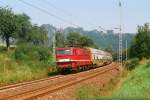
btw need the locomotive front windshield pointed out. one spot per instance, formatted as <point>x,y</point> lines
<point>64,52</point>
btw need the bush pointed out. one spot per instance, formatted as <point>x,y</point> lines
<point>32,52</point>
<point>3,49</point>
<point>43,53</point>
<point>131,64</point>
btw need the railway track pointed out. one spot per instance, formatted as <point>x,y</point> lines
<point>34,89</point>
<point>29,82</point>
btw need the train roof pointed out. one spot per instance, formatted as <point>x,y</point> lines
<point>92,49</point>
<point>99,51</point>
<point>69,48</point>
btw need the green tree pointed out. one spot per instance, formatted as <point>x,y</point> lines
<point>8,25</point>
<point>24,27</point>
<point>73,38</point>
<point>60,39</point>
<point>140,46</point>
<point>86,41</point>
<point>38,36</point>
<point>76,39</point>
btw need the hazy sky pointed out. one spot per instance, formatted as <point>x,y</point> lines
<point>88,14</point>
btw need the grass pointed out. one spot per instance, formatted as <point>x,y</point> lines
<point>87,92</point>
<point>94,92</point>
<point>136,86</point>
<point>12,71</point>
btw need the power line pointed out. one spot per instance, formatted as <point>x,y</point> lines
<point>55,7</point>
<point>65,12</point>
<point>48,13</point>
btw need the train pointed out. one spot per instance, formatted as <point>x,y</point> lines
<point>77,59</point>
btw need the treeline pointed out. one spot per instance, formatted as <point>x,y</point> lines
<point>73,39</point>
<point>31,41</point>
<point>140,46</point>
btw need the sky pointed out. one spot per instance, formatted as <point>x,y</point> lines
<point>89,14</point>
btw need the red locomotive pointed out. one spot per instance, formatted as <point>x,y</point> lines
<point>81,58</point>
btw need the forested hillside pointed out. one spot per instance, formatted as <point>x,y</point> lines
<point>98,37</point>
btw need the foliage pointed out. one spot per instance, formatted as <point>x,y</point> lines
<point>132,63</point>
<point>100,38</point>
<point>2,49</point>
<point>76,39</point>
<point>135,87</point>
<point>38,36</point>
<point>18,26</point>
<point>30,58</point>
<point>115,56</point>
<point>73,38</point>
<point>8,25</point>
<point>140,46</point>
<point>137,83</point>
<point>31,52</point>
<point>87,92</point>
<point>12,71</point>
<point>86,41</point>
<point>60,39</point>
<point>24,27</point>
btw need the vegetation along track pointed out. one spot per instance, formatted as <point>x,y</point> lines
<point>42,87</point>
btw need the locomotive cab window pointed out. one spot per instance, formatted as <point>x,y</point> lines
<point>64,52</point>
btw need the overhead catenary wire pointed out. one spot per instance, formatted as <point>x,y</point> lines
<point>64,11</point>
<point>48,13</point>
<point>56,8</point>
<point>52,15</point>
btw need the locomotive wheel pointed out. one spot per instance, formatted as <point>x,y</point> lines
<point>87,67</point>
<point>80,68</point>
<point>75,70</point>
<point>91,66</point>
<point>94,66</point>
<point>61,71</point>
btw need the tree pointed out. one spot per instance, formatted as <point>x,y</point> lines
<point>28,33</point>
<point>73,38</point>
<point>24,27</point>
<point>76,39</point>
<point>60,39</point>
<point>86,41</point>
<point>34,46</point>
<point>8,25</point>
<point>140,46</point>
<point>38,36</point>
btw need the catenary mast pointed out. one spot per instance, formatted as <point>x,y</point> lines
<point>120,34</point>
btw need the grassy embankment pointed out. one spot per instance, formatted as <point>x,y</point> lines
<point>13,71</point>
<point>134,85</point>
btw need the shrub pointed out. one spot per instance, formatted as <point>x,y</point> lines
<point>43,53</point>
<point>32,52</point>
<point>2,48</point>
<point>131,64</point>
